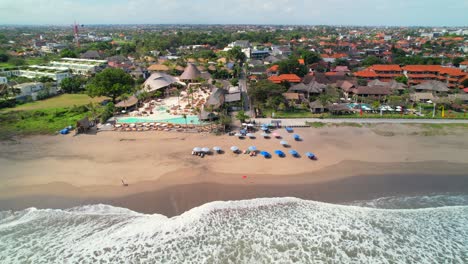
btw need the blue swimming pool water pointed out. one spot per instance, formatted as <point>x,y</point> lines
<point>176,120</point>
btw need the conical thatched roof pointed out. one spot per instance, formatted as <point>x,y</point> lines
<point>435,86</point>
<point>190,73</point>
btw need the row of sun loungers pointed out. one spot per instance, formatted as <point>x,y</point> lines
<point>162,127</point>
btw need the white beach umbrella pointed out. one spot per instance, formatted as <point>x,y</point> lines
<point>234,148</point>
<point>197,149</point>
<point>238,135</point>
<point>283,142</point>
<point>205,149</point>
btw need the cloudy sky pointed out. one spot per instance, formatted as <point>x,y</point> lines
<point>310,12</point>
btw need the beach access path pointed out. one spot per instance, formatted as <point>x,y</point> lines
<point>302,121</point>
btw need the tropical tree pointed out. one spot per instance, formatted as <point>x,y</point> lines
<point>66,53</point>
<point>71,84</point>
<point>241,116</point>
<point>124,98</point>
<point>402,79</point>
<point>371,60</point>
<point>185,117</point>
<point>111,82</point>
<point>224,120</point>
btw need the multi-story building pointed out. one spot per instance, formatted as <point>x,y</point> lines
<point>35,71</point>
<point>416,74</point>
<point>80,66</point>
<point>420,73</point>
<point>381,72</point>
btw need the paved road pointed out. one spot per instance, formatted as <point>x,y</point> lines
<point>243,87</point>
<point>301,121</point>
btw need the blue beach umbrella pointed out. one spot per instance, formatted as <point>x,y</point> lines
<point>289,129</point>
<point>310,155</point>
<point>296,137</point>
<point>293,152</point>
<point>264,128</point>
<point>265,154</point>
<point>252,148</point>
<point>279,153</point>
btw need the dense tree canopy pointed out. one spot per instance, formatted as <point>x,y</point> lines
<point>292,66</point>
<point>66,53</point>
<point>111,82</point>
<point>371,60</point>
<point>265,93</point>
<point>72,85</point>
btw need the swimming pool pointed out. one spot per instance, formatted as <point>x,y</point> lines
<point>174,120</point>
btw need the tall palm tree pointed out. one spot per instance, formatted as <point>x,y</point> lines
<point>124,97</point>
<point>185,117</point>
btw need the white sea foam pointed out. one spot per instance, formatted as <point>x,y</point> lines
<point>276,230</point>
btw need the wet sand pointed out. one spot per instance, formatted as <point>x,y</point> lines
<point>353,164</point>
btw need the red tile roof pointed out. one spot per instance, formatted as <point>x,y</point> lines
<point>275,79</point>
<point>273,68</point>
<point>464,62</point>
<point>422,68</point>
<point>383,67</point>
<point>465,90</point>
<point>422,76</point>
<point>365,74</point>
<point>292,78</point>
<point>452,71</point>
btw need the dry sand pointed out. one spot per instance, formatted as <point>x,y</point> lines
<point>353,163</point>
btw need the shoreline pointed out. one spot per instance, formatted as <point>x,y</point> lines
<point>172,199</point>
<point>163,177</point>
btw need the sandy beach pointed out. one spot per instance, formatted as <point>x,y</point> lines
<point>163,176</point>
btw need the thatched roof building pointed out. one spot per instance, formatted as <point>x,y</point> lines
<point>190,73</point>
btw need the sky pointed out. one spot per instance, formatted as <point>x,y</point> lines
<point>297,12</point>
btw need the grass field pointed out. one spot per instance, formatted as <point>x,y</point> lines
<point>45,116</point>
<point>61,101</point>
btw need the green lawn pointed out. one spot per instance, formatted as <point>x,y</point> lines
<point>45,116</point>
<point>44,121</point>
<point>61,101</point>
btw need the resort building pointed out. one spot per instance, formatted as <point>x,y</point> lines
<point>157,81</point>
<point>31,89</point>
<point>380,72</point>
<point>80,66</point>
<point>35,71</point>
<point>190,74</point>
<point>416,74</point>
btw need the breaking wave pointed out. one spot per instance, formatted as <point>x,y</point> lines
<point>273,230</point>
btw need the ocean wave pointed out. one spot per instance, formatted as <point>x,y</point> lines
<point>415,202</point>
<point>270,230</point>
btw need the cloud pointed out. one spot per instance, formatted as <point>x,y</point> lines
<point>357,12</point>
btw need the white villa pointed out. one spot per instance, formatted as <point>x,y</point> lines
<point>80,66</point>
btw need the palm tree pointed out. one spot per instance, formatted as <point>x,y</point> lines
<point>124,98</point>
<point>224,120</point>
<point>210,115</point>
<point>93,109</point>
<point>190,91</point>
<point>185,117</point>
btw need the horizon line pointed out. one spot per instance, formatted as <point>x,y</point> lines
<point>234,24</point>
